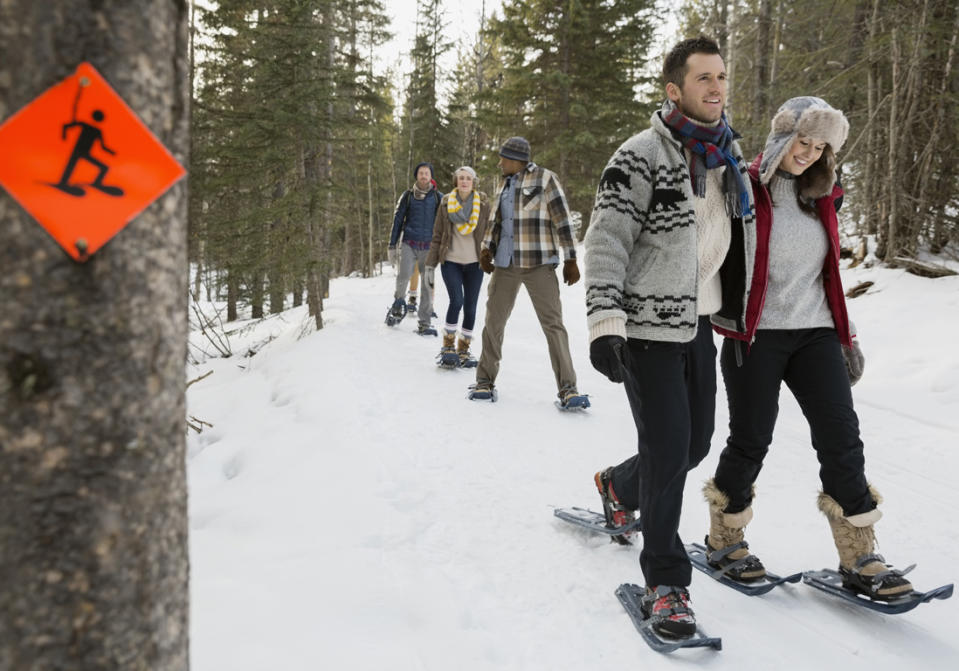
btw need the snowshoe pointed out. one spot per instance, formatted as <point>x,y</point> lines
<point>426,330</point>
<point>831,582</point>
<point>882,584</point>
<point>641,608</point>
<point>482,391</point>
<point>396,312</point>
<point>596,522</point>
<point>448,360</point>
<point>699,558</point>
<point>573,400</point>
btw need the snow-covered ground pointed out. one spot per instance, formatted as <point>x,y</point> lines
<point>350,509</point>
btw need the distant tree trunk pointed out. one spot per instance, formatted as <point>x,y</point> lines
<point>873,97</point>
<point>730,57</point>
<point>232,295</point>
<point>891,246</point>
<point>277,291</point>
<point>256,295</point>
<point>564,116</point>
<point>93,507</point>
<point>368,270</point>
<point>297,291</point>
<point>763,55</point>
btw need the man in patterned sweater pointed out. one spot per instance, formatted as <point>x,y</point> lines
<point>670,229</point>
<point>529,224</point>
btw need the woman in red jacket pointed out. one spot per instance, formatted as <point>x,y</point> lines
<point>797,331</point>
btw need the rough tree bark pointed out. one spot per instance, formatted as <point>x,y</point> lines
<point>93,508</point>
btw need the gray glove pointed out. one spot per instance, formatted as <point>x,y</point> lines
<point>855,361</point>
<point>391,255</point>
<point>429,276</point>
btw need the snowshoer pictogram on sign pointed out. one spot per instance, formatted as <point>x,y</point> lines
<point>82,163</point>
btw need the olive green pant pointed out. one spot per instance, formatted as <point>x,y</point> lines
<point>543,288</point>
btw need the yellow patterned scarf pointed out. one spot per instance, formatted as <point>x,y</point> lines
<point>463,225</point>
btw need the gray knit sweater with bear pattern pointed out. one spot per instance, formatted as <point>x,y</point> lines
<point>641,268</point>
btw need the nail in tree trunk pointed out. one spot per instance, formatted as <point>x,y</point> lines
<point>93,508</point>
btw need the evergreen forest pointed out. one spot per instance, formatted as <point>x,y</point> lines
<point>302,140</point>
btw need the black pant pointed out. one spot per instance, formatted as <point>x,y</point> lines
<point>672,392</point>
<point>810,362</point>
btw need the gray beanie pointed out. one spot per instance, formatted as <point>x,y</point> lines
<point>516,148</point>
<point>811,117</point>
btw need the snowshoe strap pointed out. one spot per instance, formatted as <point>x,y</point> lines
<point>716,555</point>
<point>722,553</point>
<point>877,578</point>
<point>674,597</point>
<point>732,566</point>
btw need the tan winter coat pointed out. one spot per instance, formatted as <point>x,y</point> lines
<point>443,230</point>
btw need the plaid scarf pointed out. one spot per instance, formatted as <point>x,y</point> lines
<point>710,147</point>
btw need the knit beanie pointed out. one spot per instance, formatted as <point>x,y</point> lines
<point>420,165</point>
<point>516,148</point>
<point>811,117</point>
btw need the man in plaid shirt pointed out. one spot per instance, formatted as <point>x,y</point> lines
<point>530,225</point>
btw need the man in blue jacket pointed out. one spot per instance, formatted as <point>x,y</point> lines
<point>413,220</point>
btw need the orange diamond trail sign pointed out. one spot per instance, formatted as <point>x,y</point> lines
<point>81,162</point>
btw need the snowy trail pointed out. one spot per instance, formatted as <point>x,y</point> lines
<point>351,509</point>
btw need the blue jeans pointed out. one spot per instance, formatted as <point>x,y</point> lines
<point>463,282</point>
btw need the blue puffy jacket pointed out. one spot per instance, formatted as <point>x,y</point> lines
<point>414,218</point>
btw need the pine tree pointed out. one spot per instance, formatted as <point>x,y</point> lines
<point>891,68</point>
<point>425,127</point>
<point>571,75</point>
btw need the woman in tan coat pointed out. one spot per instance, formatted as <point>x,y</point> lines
<point>457,233</point>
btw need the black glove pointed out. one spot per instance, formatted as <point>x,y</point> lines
<point>608,356</point>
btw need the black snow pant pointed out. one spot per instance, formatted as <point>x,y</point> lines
<point>810,362</point>
<point>672,393</point>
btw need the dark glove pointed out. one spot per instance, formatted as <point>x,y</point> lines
<point>486,261</point>
<point>570,272</point>
<point>607,354</point>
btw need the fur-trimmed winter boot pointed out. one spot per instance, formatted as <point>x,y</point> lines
<point>463,349</point>
<point>861,568</point>
<point>449,340</point>
<point>726,545</point>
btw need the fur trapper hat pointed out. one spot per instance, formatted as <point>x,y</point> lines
<point>811,117</point>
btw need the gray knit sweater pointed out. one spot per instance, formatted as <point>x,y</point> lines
<point>641,268</point>
<point>795,296</point>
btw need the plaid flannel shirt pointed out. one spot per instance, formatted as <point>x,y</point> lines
<point>541,225</point>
